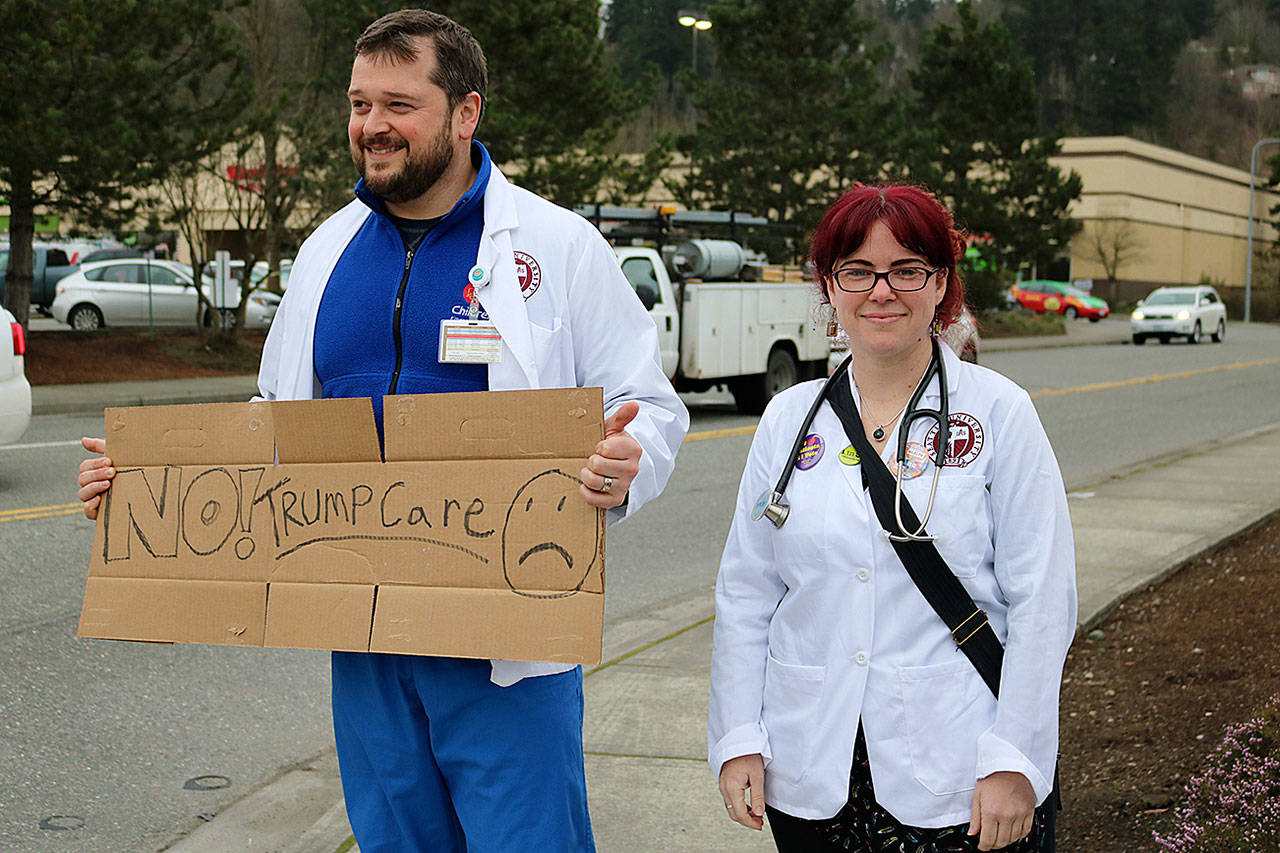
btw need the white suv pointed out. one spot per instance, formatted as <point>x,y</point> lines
<point>1179,312</point>
<point>15,393</point>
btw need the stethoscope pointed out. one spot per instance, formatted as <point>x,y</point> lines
<point>773,505</point>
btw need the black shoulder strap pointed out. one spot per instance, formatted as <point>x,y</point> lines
<point>945,594</point>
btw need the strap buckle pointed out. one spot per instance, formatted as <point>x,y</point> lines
<point>974,615</point>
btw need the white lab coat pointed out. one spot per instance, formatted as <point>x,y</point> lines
<point>818,624</point>
<point>582,326</point>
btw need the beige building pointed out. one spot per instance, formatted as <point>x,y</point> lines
<point>1160,217</point>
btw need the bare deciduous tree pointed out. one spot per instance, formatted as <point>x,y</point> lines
<point>1113,243</point>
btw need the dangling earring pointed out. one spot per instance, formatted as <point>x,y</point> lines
<point>935,326</point>
<point>833,326</point>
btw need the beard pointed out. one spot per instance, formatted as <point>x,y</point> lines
<point>419,172</point>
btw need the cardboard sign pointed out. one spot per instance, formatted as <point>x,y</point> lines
<point>279,524</point>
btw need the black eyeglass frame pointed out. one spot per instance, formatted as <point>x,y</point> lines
<point>877,275</point>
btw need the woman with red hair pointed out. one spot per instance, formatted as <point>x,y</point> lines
<point>848,703</point>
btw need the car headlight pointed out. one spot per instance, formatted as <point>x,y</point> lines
<point>1184,314</point>
<point>1138,315</point>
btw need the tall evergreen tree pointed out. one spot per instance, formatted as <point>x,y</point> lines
<point>97,97</point>
<point>556,100</point>
<point>976,96</point>
<point>792,116</point>
<point>1103,66</point>
<point>647,33</point>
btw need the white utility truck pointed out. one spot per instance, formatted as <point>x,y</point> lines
<point>715,328</point>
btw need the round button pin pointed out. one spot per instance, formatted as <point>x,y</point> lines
<point>478,275</point>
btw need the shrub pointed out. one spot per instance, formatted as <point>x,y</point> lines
<point>1235,804</point>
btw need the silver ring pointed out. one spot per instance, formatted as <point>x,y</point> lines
<point>729,806</point>
<point>607,487</point>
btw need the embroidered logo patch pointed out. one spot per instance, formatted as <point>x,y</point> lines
<point>964,443</point>
<point>810,452</point>
<point>528,273</point>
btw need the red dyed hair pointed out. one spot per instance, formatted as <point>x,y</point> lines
<point>917,220</point>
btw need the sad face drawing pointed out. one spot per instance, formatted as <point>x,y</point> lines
<point>540,559</point>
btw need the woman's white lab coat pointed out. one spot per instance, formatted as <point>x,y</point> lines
<point>818,624</point>
<point>578,325</point>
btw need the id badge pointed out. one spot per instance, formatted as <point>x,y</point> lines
<point>469,342</point>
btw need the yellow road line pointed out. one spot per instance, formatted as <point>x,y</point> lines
<point>720,433</point>
<point>27,509</point>
<point>1149,380</point>
<point>729,432</point>
<point>39,515</point>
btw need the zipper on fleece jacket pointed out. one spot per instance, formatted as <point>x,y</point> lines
<point>396,334</point>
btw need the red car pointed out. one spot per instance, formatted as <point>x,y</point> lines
<point>1057,297</point>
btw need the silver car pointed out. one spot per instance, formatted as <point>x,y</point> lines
<point>1179,312</point>
<point>142,292</point>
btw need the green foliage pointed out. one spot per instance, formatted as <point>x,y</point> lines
<point>1019,323</point>
<point>97,97</point>
<point>556,101</point>
<point>974,109</point>
<point>792,116</point>
<point>646,34</point>
<point>1103,66</point>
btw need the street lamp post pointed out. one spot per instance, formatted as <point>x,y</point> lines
<point>695,20</point>
<point>1248,264</point>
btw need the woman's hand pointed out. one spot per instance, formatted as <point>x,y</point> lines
<point>95,476</point>
<point>1004,806</point>
<point>737,776</point>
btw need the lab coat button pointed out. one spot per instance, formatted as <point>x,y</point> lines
<point>860,658</point>
<point>864,574</point>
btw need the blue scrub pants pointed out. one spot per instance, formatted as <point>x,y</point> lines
<point>436,757</point>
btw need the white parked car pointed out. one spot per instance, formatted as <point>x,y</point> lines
<point>140,292</point>
<point>15,392</point>
<point>1179,312</point>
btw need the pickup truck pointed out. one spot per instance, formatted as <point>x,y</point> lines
<point>756,338</point>
<point>49,265</point>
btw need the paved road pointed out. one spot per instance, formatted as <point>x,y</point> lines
<point>108,733</point>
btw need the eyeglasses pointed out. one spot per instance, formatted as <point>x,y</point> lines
<point>902,279</point>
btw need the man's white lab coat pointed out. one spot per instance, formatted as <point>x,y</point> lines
<point>581,325</point>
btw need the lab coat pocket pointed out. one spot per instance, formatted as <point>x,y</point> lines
<point>946,712</point>
<point>791,696</point>
<point>961,522</point>
<point>552,354</point>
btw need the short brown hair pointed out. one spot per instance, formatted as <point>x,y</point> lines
<point>460,64</point>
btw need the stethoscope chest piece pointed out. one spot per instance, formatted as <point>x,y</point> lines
<point>771,505</point>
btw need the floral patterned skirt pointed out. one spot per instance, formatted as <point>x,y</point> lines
<point>864,825</point>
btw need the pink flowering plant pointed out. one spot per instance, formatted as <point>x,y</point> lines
<point>1234,805</point>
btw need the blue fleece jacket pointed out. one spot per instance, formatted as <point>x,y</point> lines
<point>378,328</point>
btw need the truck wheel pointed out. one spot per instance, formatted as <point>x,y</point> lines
<point>1195,336</point>
<point>780,373</point>
<point>1221,334</point>
<point>753,393</point>
<point>85,318</point>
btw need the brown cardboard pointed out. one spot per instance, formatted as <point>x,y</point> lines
<point>278,524</point>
